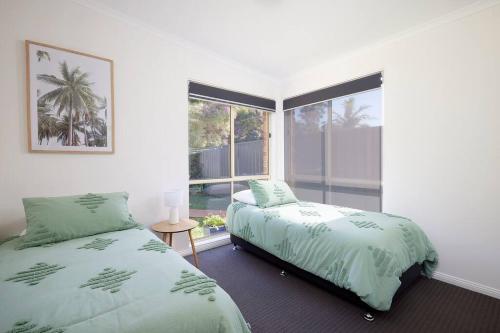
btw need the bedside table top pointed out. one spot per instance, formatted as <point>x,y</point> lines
<point>183,225</point>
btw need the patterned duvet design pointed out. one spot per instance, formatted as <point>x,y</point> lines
<point>365,252</point>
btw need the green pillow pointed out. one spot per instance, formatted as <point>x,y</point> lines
<point>269,193</point>
<point>58,219</point>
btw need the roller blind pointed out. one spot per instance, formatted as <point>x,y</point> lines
<point>206,92</point>
<point>366,83</point>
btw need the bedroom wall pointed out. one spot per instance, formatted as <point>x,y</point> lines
<point>441,145</point>
<point>151,75</point>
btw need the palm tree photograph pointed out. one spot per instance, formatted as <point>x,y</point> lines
<point>70,102</point>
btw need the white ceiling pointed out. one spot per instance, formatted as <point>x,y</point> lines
<point>281,37</point>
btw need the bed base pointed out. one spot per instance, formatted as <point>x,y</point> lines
<point>408,278</point>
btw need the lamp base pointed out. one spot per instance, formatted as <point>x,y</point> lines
<point>174,216</point>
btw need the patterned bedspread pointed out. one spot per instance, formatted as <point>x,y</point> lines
<point>125,281</point>
<point>365,252</point>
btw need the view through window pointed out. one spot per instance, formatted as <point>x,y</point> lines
<point>333,150</point>
<point>228,145</point>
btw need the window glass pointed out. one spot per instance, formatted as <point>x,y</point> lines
<point>333,150</point>
<point>251,140</point>
<point>220,165</point>
<point>209,132</point>
<point>305,136</point>
<point>240,186</point>
<point>208,200</point>
<point>355,151</point>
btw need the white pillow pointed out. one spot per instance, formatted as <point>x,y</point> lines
<point>245,196</point>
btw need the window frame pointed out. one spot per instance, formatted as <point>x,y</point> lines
<point>328,179</point>
<point>232,148</point>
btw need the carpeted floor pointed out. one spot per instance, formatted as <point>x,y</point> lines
<point>272,303</point>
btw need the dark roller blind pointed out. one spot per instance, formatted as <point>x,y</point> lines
<point>347,88</point>
<point>198,90</point>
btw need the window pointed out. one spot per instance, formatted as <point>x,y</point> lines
<point>333,149</point>
<point>251,133</point>
<point>209,136</point>
<point>228,145</point>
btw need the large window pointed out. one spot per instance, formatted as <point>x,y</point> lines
<point>228,145</point>
<point>333,150</point>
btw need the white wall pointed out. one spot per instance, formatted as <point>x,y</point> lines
<point>441,149</point>
<point>151,75</point>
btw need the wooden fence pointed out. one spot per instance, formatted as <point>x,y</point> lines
<point>214,162</point>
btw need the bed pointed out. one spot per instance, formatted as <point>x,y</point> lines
<point>122,281</point>
<point>366,256</point>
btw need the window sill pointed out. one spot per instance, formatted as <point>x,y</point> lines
<point>209,240</point>
<point>208,243</point>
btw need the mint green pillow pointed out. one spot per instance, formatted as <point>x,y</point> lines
<point>57,219</point>
<point>269,193</point>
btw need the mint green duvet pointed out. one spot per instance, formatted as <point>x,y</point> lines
<point>124,281</point>
<point>364,252</point>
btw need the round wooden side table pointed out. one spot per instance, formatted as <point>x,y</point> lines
<point>184,225</point>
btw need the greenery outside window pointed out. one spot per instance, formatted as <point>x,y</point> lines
<point>228,145</point>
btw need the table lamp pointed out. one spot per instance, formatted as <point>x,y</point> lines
<point>173,199</point>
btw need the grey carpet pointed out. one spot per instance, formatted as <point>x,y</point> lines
<point>272,303</point>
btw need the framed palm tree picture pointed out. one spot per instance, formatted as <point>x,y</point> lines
<point>70,100</point>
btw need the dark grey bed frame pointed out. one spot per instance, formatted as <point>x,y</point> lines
<point>410,276</point>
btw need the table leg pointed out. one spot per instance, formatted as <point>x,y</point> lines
<point>193,248</point>
<point>170,239</point>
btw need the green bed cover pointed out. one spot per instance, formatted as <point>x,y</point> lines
<point>125,281</point>
<point>364,252</point>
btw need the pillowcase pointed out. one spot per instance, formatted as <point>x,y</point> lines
<point>269,193</point>
<point>245,196</point>
<point>57,219</point>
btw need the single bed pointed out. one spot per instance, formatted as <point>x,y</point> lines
<point>365,256</point>
<point>123,281</point>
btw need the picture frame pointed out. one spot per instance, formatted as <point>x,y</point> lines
<point>70,100</point>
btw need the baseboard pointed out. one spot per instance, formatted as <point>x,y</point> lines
<point>208,244</point>
<point>474,286</point>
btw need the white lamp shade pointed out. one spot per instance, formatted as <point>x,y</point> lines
<point>172,198</point>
